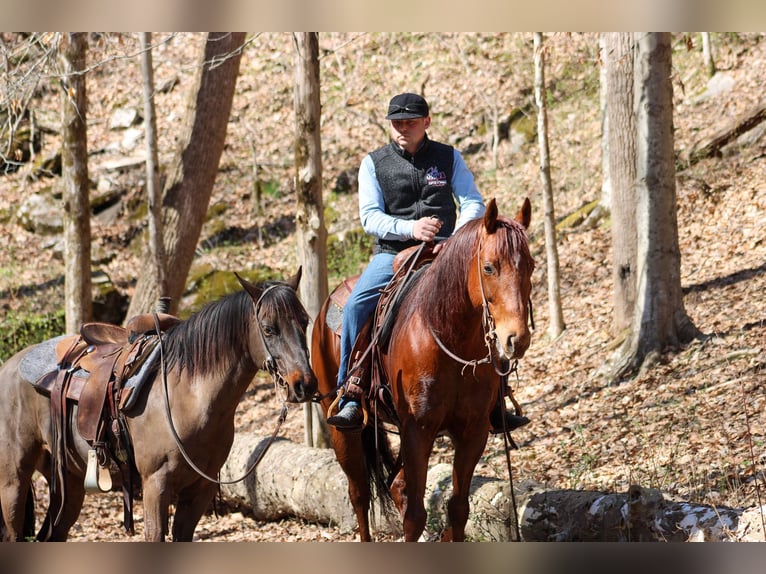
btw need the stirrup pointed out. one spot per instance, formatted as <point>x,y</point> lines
<point>97,477</point>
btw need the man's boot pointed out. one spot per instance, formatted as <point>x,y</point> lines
<point>349,418</point>
<point>512,421</point>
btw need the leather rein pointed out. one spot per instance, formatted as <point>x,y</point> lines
<point>269,364</point>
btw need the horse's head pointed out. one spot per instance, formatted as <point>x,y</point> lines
<point>505,269</point>
<point>278,336</point>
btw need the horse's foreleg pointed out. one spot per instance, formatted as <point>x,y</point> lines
<point>350,455</point>
<point>156,503</point>
<point>190,507</point>
<point>415,452</point>
<point>468,450</point>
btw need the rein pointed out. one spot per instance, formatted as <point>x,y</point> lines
<point>269,364</point>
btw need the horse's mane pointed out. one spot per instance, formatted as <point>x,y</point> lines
<point>443,288</point>
<point>219,332</point>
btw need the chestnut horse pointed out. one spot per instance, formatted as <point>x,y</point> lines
<point>210,359</point>
<point>460,325</point>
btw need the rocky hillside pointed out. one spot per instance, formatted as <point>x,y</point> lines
<point>693,427</point>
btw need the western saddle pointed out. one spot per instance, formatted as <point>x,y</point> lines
<point>91,370</point>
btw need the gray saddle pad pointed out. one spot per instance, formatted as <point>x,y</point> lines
<point>41,359</point>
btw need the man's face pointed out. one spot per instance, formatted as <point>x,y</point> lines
<point>409,133</point>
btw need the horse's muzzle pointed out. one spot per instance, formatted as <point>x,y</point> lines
<point>515,344</point>
<point>303,386</point>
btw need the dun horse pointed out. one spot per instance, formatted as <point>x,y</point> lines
<point>458,329</point>
<point>210,359</point>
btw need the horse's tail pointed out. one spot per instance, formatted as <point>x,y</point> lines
<point>381,468</point>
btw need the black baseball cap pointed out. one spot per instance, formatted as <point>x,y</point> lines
<point>406,107</point>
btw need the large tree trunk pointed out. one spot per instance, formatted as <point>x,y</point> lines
<point>556,325</point>
<point>190,184</point>
<point>659,318</point>
<point>621,149</point>
<point>74,169</point>
<point>295,480</point>
<point>311,234</point>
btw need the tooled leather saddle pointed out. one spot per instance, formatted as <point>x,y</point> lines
<point>92,368</point>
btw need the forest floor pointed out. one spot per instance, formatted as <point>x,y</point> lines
<point>693,426</point>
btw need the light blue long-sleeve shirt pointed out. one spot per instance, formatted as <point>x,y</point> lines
<point>372,208</point>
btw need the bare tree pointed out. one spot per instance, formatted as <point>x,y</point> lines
<point>556,326</point>
<point>620,137</point>
<point>311,233</point>
<point>707,54</point>
<point>187,191</point>
<point>153,191</point>
<point>659,319</point>
<point>74,161</point>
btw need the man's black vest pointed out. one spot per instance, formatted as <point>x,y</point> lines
<point>416,186</point>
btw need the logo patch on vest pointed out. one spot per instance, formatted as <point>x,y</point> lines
<point>435,177</point>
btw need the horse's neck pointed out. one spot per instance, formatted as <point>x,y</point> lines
<point>220,389</point>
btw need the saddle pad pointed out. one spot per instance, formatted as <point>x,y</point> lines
<point>39,360</point>
<point>132,387</point>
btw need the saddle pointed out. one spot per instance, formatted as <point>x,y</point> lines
<point>91,369</point>
<point>367,377</point>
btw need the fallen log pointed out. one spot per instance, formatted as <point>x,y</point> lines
<point>711,147</point>
<point>295,480</point>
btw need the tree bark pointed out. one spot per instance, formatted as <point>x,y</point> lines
<point>621,148</point>
<point>707,54</point>
<point>153,192</point>
<point>295,480</point>
<point>188,189</point>
<point>311,234</point>
<point>659,319</point>
<point>556,325</point>
<point>74,168</point>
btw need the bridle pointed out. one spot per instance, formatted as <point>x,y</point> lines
<point>490,334</point>
<point>270,365</point>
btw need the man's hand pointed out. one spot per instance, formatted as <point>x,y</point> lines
<point>426,228</point>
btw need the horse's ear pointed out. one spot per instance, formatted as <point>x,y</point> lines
<point>524,216</point>
<point>295,279</point>
<point>490,216</point>
<point>249,287</point>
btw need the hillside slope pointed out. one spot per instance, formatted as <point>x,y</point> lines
<point>694,427</point>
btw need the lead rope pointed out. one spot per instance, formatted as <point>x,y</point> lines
<point>509,444</point>
<point>269,363</point>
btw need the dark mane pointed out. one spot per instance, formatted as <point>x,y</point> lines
<point>219,332</point>
<point>443,287</point>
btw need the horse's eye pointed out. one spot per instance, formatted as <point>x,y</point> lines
<point>489,269</point>
<point>269,330</point>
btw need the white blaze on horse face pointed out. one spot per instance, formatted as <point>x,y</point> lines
<point>513,334</point>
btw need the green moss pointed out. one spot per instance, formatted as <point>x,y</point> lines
<point>22,330</point>
<point>347,255</point>
<point>207,284</point>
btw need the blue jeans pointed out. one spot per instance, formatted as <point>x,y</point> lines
<point>360,306</point>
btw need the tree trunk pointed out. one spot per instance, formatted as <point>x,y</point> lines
<point>311,234</point>
<point>707,54</point>
<point>190,184</point>
<point>659,319</point>
<point>74,168</point>
<point>556,326</point>
<point>621,145</point>
<point>295,480</point>
<point>153,192</point>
